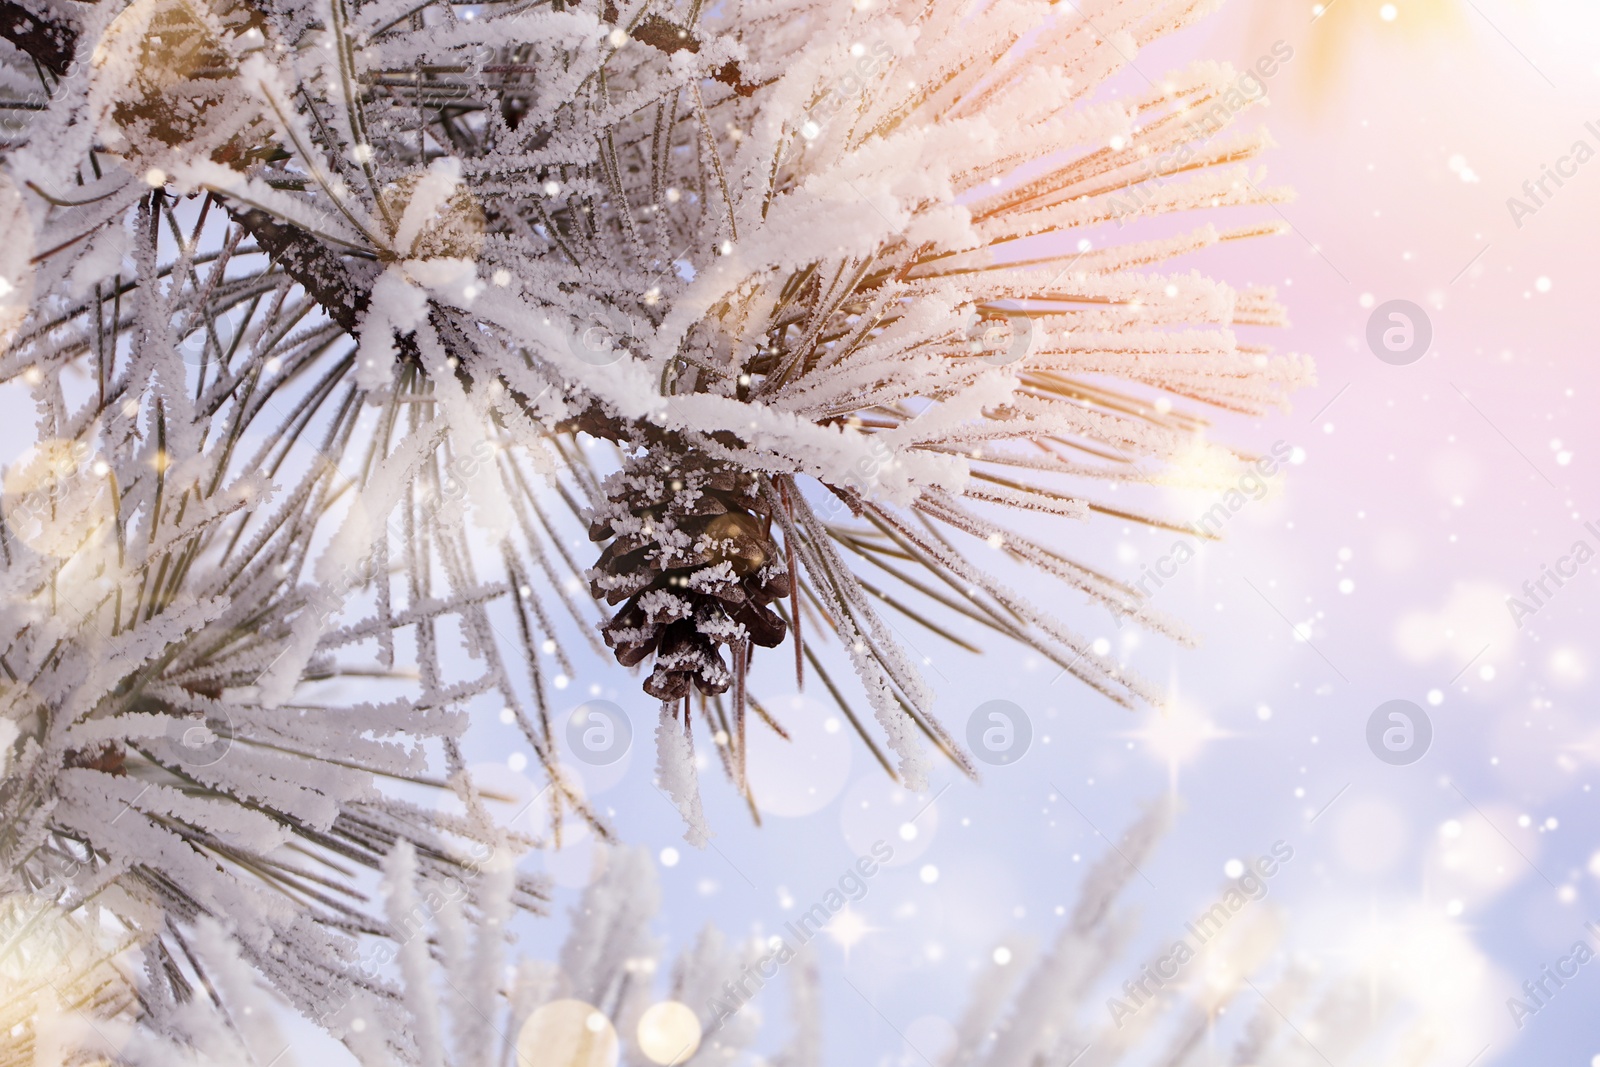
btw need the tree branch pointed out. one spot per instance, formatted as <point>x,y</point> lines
<point>338,285</point>
<point>50,42</point>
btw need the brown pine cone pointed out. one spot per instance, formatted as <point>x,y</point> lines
<point>692,554</point>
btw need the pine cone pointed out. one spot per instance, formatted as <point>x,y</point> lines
<point>692,554</point>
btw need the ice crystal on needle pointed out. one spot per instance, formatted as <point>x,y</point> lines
<point>848,264</point>
<point>344,321</point>
<point>465,1002</point>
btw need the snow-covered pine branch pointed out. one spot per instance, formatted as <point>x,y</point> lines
<point>459,999</point>
<point>823,275</point>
